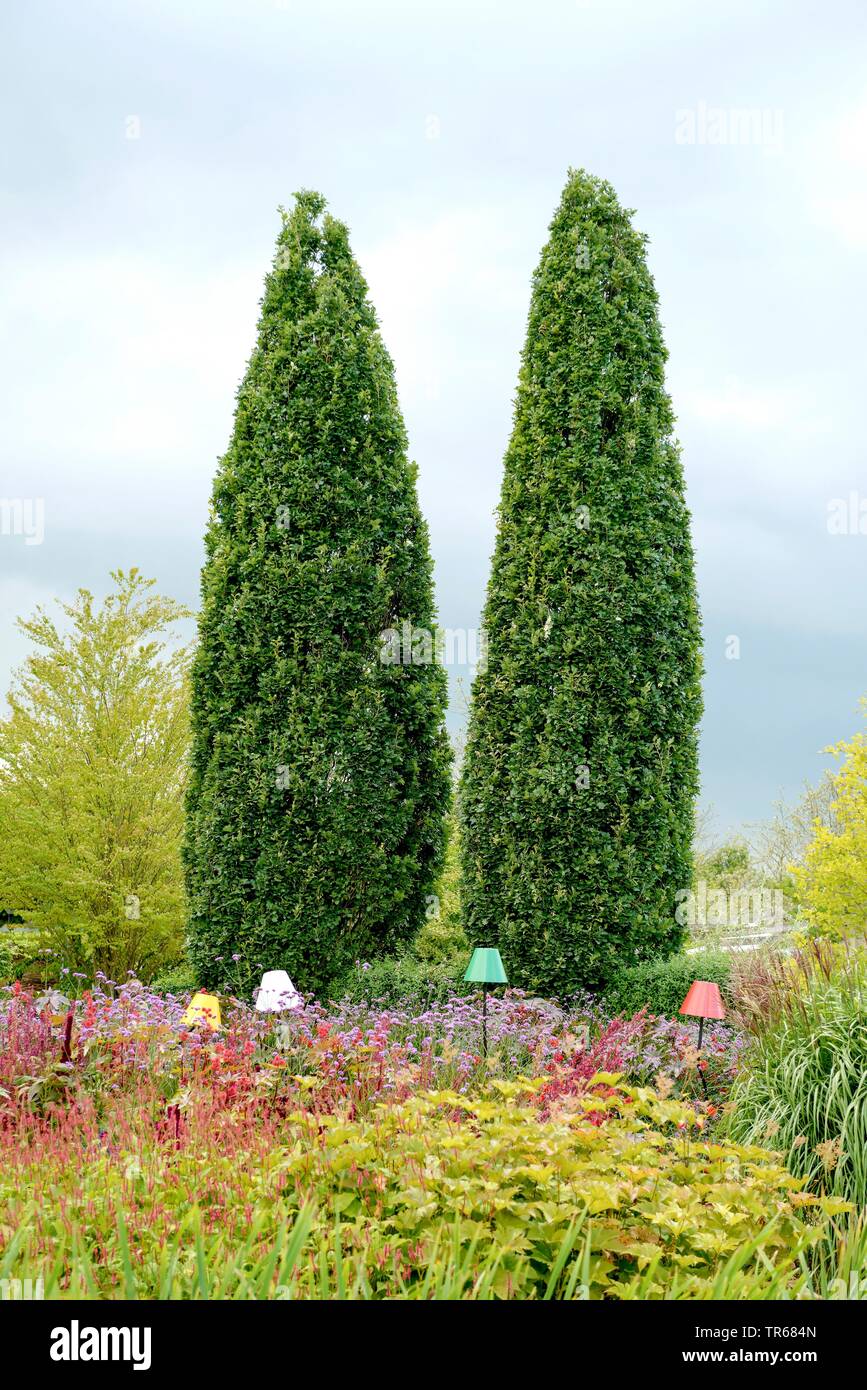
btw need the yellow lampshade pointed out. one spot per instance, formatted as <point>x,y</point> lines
<point>203,1011</point>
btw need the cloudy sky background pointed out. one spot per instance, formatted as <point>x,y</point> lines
<point>131,268</point>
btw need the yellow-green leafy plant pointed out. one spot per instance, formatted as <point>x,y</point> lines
<point>93,765</point>
<point>617,1194</point>
<point>831,882</point>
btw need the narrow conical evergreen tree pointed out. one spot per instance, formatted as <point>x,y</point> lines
<point>581,762</point>
<point>320,765</point>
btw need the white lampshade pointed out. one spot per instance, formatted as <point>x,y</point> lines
<point>277,993</point>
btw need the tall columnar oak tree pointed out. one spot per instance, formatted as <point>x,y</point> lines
<point>581,765</point>
<point>320,773</point>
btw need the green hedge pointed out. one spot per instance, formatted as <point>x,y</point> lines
<point>404,981</point>
<point>176,979</point>
<point>661,985</point>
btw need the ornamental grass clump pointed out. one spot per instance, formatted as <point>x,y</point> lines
<point>802,1088</point>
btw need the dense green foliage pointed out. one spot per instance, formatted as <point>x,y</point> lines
<point>403,980</point>
<point>93,766</point>
<point>433,965</point>
<point>661,986</point>
<point>320,770</point>
<point>581,771</point>
<point>20,952</point>
<point>442,937</point>
<point>176,979</point>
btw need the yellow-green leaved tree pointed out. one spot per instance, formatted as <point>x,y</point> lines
<point>831,883</point>
<point>93,765</point>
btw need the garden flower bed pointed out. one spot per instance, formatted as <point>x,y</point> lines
<point>344,1054</point>
<point>377,1152</point>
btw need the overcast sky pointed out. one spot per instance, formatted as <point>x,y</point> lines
<point>146,146</point>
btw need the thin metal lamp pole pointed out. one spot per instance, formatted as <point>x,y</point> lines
<point>485,969</point>
<point>700,1070</point>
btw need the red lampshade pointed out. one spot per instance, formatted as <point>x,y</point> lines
<point>703,1000</point>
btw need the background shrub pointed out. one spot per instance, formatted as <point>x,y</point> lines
<point>442,937</point>
<point>178,979</point>
<point>19,951</point>
<point>831,883</point>
<point>404,981</point>
<point>661,986</point>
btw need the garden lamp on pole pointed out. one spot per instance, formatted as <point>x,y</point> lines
<point>277,994</point>
<point>203,1011</point>
<point>703,1001</point>
<point>485,969</point>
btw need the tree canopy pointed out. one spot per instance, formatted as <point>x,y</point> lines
<point>93,764</point>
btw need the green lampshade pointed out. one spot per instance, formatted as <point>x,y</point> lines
<point>486,968</point>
